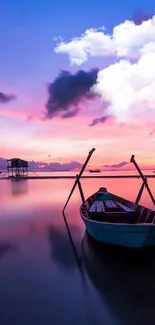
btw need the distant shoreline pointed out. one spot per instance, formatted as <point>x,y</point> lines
<point>74,177</point>
<point>86,171</point>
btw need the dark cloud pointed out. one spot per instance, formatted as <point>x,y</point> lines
<point>53,166</point>
<point>99,120</point>
<point>71,113</point>
<point>30,117</point>
<point>6,98</point>
<point>2,164</point>
<point>152,132</point>
<point>67,166</point>
<point>139,16</point>
<point>67,91</point>
<point>121,164</point>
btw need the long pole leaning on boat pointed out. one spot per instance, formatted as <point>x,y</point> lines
<point>79,176</point>
<point>132,160</point>
<point>140,192</point>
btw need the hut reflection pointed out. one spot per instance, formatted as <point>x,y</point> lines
<point>19,187</point>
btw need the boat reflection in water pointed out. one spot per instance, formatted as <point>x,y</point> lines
<point>125,280</point>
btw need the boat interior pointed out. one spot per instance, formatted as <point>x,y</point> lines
<point>107,207</point>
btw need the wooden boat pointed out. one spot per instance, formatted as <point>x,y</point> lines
<point>94,170</point>
<point>113,220</point>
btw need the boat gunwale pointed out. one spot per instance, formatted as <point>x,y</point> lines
<point>115,223</point>
<point>118,224</point>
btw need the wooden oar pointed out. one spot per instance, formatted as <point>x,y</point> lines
<point>132,160</point>
<point>140,192</point>
<point>79,176</point>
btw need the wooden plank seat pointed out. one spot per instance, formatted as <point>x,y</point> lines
<point>125,208</point>
<point>97,206</point>
<point>110,204</point>
<point>110,211</point>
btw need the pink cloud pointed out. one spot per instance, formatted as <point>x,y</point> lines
<point>71,139</point>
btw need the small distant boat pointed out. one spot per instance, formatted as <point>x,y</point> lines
<point>114,220</point>
<point>94,170</point>
<point>60,170</point>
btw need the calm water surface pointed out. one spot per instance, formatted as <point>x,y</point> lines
<point>40,282</point>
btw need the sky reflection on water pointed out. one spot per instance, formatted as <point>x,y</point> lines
<point>40,280</point>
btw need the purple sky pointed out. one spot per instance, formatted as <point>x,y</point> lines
<point>28,63</point>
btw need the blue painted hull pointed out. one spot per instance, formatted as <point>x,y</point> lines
<point>135,236</point>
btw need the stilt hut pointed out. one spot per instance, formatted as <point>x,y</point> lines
<point>17,167</point>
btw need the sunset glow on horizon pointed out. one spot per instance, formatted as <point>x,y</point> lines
<point>50,115</point>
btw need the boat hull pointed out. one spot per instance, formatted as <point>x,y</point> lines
<point>135,236</point>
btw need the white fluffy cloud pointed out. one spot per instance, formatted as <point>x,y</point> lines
<point>129,87</point>
<point>127,40</point>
